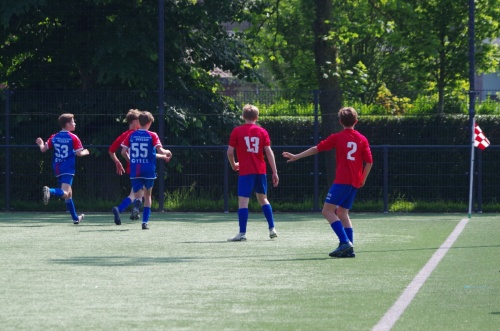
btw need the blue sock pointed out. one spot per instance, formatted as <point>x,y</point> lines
<point>243,219</point>
<point>350,234</point>
<point>71,208</point>
<point>125,203</point>
<point>268,212</point>
<point>57,192</point>
<point>145,214</point>
<point>339,231</point>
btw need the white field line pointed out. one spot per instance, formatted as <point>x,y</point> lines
<point>394,313</point>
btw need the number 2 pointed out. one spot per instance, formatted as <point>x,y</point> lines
<point>353,147</point>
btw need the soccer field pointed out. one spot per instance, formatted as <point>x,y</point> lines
<point>182,274</point>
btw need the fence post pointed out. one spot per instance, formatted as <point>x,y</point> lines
<point>226,181</point>
<point>161,97</point>
<point>7,150</point>
<point>386,178</point>
<point>316,157</point>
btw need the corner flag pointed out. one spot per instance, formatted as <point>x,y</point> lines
<point>480,140</point>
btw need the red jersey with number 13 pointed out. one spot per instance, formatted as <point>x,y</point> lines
<point>352,151</point>
<point>249,141</point>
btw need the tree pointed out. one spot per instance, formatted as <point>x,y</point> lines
<point>90,44</point>
<point>405,46</point>
<point>434,38</point>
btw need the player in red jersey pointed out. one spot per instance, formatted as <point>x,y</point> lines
<point>251,142</point>
<point>66,147</point>
<point>354,162</point>
<point>132,119</point>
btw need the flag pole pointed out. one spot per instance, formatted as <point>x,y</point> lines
<point>472,97</point>
<point>471,172</point>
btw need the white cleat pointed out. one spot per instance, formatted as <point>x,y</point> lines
<point>46,195</point>
<point>273,234</point>
<point>80,218</point>
<point>239,237</point>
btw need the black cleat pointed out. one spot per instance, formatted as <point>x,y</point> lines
<point>116,213</point>
<point>343,248</point>
<point>145,226</point>
<point>135,214</point>
<point>347,254</point>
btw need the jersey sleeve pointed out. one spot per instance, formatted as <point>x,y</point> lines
<point>267,139</point>
<point>155,139</point>
<point>77,144</point>
<point>367,153</point>
<point>118,142</point>
<point>49,142</point>
<point>233,139</point>
<point>126,141</point>
<point>327,144</point>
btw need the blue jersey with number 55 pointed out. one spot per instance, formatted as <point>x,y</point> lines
<point>65,145</point>
<point>141,146</point>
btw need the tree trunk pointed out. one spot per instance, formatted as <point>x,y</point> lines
<point>326,56</point>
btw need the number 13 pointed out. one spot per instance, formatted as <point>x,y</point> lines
<point>252,144</point>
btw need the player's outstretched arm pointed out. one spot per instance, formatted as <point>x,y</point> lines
<point>294,157</point>
<point>83,152</point>
<point>43,147</point>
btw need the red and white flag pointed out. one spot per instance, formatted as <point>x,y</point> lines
<point>480,140</point>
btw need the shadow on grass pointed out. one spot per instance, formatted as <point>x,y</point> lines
<point>206,242</point>
<point>302,259</point>
<point>120,261</point>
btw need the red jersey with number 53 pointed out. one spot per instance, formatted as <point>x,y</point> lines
<point>352,151</point>
<point>249,141</point>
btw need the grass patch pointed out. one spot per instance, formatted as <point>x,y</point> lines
<point>183,274</point>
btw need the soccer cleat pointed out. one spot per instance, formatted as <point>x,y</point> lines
<point>80,218</point>
<point>136,210</point>
<point>239,237</point>
<point>46,195</point>
<point>135,214</point>
<point>347,254</point>
<point>116,213</point>
<point>145,226</point>
<point>273,234</point>
<point>343,248</point>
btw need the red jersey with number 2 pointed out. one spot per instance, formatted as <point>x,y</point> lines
<point>352,151</point>
<point>249,141</point>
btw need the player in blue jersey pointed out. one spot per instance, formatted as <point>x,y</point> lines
<point>66,147</point>
<point>140,148</point>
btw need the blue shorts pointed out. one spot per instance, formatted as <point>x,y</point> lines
<point>65,179</point>
<point>140,183</point>
<point>341,195</point>
<point>248,183</point>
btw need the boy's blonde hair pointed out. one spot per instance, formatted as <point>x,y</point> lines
<point>250,112</point>
<point>348,116</point>
<point>145,117</point>
<point>132,115</point>
<point>65,119</point>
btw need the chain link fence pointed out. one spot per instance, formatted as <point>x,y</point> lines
<point>412,162</point>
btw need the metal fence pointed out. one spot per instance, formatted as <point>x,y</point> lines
<point>410,172</point>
